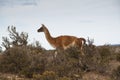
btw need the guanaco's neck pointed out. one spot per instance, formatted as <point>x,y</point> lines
<point>48,36</point>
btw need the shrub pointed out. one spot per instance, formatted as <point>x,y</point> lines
<point>116,74</point>
<point>14,60</point>
<point>105,57</point>
<point>105,52</point>
<point>73,52</point>
<point>17,39</point>
<point>22,60</point>
<point>118,57</point>
<point>96,59</point>
<point>37,66</point>
<point>66,63</point>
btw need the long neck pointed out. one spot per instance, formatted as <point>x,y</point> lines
<point>48,36</point>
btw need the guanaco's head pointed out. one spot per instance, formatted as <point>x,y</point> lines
<point>42,28</point>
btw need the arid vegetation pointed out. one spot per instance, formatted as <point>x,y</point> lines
<point>23,61</point>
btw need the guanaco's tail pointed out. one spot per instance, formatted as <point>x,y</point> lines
<point>84,41</point>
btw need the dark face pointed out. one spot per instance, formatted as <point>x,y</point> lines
<point>41,29</point>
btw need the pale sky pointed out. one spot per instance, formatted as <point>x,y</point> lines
<point>96,19</point>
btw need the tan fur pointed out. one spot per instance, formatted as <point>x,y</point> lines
<point>62,42</point>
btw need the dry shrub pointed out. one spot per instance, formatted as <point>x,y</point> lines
<point>33,61</point>
<point>97,58</point>
<point>21,60</point>
<point>116,74</point>
<point>14,60</point>
<point>66,63</point>
<point>118,57</point>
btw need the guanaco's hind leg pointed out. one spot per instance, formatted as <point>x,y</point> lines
<point>81,50</point>
<point>57,51</point>
<point>81,44</point>
<point>55,54</point>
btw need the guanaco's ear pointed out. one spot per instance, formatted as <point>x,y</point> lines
<point>42,24</point>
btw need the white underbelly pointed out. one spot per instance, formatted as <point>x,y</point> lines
<point>70,45</point>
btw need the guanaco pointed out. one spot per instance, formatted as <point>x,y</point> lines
<point>62,42</point>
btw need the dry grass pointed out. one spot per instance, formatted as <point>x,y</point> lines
<point>95,76</point>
